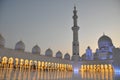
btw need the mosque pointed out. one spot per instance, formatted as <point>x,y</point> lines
<point>106,57</point>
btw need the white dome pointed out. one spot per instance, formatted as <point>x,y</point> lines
<point>104,42</point>
<point>58,54</point>
<point>49,52</point>
<point>67,56</point>
<point>20,46</point>
<point>2,41</point>
<point>36,49</point>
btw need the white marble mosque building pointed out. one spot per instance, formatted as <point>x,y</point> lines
<point>106,57</point>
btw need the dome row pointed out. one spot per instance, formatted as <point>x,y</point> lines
<point>103,42</point>
<point>20,46</point>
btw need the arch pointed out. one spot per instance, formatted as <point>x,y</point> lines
<point>102,66</point>
<point>55,65</point>
<point>39,64</point>
<point>49,64</point>
<point>21,63</point>
<point>58,66</point>
<point>52,65</point>
<point>16,62</point>
<point>10,60</point>
<point>30,64</point>
<point>43,64</point>
<point>88,67</point>
<point>26,62</point>
<point>4,60</point>
<point>35,64</point>
<point>94,67</point>
<point>46,65</point>
<point>81,66</point>
<point>91,66</point>
<point>110,67</point>
<point>106,66</point>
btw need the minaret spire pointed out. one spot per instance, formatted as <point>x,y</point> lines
<point>74,7</point>
<point>75,43</point>
<point>75,16</point>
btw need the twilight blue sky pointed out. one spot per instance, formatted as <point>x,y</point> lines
<point>48,23</point>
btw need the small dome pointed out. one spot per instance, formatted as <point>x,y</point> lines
<point>104,42</point>
<point>49,52</point>
<point>36,49</point>
<point>67,56</point>
<point>2,41</point>
<point>59,55</point>
<point>20,46</point>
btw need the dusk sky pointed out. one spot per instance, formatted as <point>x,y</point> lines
<point>48,23</point>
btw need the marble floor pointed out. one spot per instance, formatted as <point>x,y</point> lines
<point>16,74</point>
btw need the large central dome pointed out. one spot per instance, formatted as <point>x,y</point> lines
<point>104,42</point>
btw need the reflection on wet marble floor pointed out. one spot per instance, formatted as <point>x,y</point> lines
<point>12,74</point>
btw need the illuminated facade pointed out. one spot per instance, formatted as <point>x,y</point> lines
<point>106,57</point>
<point>18,58</point>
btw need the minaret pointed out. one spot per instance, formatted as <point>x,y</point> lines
<point>75,43</point>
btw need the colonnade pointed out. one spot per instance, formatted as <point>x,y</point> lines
<point>33,64</point>
<point>17,63</point>
<point>97,67</point>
